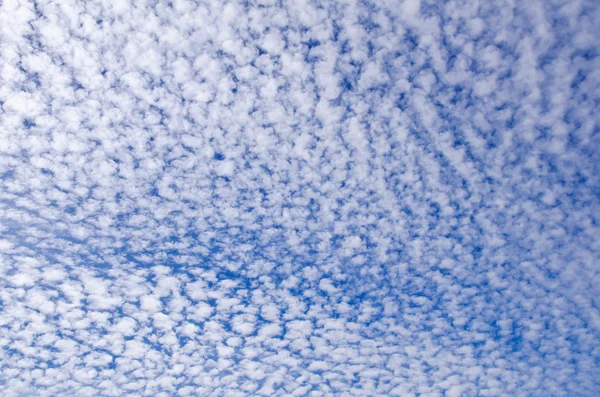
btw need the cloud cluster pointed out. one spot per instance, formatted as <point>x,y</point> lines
<point>391,198</point>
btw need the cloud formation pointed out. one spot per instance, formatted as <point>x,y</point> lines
<point>299,198</point>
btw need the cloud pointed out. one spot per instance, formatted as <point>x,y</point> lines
<point>292,198</point>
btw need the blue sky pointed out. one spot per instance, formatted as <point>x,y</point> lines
<point>271,198</point>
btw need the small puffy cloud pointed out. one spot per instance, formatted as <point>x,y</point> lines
<point>125,326</point>
<point>150,303</point>
<point>22,280</point>
<point>225,168</point>
<point>135,349</point>
<point>327,285</point>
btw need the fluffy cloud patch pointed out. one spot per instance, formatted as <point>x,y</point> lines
<point>298,198</point>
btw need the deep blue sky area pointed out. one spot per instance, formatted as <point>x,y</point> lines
<point>300,198</point>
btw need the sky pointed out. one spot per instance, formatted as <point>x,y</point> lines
<point>300,198</point>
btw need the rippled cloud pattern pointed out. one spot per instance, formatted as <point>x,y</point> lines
<point>299,198</point>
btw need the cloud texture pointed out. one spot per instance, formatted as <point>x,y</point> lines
<point>345,198</point>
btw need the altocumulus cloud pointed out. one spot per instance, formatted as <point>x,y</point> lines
<point>299,198</point>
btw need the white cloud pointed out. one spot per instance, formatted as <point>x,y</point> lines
<point>271,198</point>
